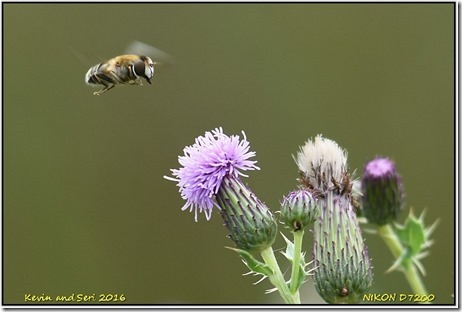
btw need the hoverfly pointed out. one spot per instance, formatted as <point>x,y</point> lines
<point>125,69</point>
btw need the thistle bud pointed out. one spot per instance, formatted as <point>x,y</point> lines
<point>343,271</point>
<point>299,209</point>
<point>250,223</point>
<point>383,195</point>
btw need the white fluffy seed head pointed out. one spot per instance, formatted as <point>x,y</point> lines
<point>322,162</point>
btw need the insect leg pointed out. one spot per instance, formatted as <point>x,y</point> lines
<point>107,88</point>
<point>106,82</point>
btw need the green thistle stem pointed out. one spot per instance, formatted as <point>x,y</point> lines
<point>391,239</point>
<point>277,279</point>
<point>298,239</point>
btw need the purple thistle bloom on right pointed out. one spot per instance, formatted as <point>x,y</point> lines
<point>383,192</point>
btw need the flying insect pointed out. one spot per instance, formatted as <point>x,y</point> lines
<point>124,69</point>
<point>127,69</point>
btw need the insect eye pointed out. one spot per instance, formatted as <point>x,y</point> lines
<point>138,67</point>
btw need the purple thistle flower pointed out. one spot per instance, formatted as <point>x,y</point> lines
<point>206,163</point>
<point>383,191</point>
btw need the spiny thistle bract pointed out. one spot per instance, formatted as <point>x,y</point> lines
<point>343,271</point>
<point>299,209</point>
<point>250,223</point>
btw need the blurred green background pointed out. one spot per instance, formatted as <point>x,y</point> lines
<point>86,207</point>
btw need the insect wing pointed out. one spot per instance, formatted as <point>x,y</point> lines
<point>140,48</point>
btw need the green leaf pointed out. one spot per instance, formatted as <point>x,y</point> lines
<point>412,234</point>
<point>415,237</point>
<point>253,264</point>
<point>400,263</point>
<point>300,278</point>
<point>289,254</point>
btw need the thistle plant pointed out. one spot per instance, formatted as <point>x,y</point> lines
<point>210,178</point>
<point>382,201</point>
<point>343,271</point>
<point>299,209</point>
